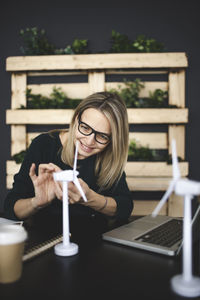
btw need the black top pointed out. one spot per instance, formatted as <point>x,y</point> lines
<point>46,148</point>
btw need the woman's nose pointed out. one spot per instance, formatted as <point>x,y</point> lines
<point>91,139</point>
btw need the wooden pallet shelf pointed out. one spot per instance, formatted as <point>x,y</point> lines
<point>97,71</point>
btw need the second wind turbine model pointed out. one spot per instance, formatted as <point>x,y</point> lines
<point>185,284</point>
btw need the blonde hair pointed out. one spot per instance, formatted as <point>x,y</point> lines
<point>111,161</point>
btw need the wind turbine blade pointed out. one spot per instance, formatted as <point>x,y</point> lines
<point>164,198</point>
<point>77,183</point>
<point>175,167</point>
<point>75,157</point>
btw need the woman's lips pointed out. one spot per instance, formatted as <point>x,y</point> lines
<point>86,148</point>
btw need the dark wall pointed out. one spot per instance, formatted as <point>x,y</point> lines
<point>176,23</point>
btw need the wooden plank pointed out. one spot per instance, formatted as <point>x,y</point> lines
<point>96,81</point>
<point>157,115</point>
<point>143,208</point>
<point>18,90</point>
<point>177,88</point>
<point>152,169</point>
<point>18,138</point>
<point>107,72</point>
<point>154,140</point>
<point>177,133</point>
<point>148,183</point>
<point>175,206</point>
<point>72,90</point>
<point>133,72</point>
<point>36,116</point>
<point>97,61</point>
<point>9,181</point>
<point>11,167</point>
<point>63,116</point>
<point>54,73</point>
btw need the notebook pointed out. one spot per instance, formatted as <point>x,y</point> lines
<point>162,234</point>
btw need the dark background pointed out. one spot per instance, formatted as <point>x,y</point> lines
<point>175,23</point>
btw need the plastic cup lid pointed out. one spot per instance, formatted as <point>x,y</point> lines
<point>12,234</point>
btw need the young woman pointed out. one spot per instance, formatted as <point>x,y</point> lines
<point>100,125</point>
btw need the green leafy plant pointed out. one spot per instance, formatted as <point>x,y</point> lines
<point>66,50</point>
<point>36,42</point>
<point>80,46</point>
<point>137,152</point>
<point>120,43</point>
<point>143,44</point>
<point>130,93</point>
<point>58,99</point>
<point>19,157</point>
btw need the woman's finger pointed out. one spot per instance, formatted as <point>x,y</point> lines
<point>58,191</point>
<point>43,168</point>
<point>32,172</point>
<point>55,167</point>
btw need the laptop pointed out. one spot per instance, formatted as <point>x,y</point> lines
<point>161,234</point>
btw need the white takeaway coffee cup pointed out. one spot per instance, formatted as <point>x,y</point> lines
<point>12,240</point>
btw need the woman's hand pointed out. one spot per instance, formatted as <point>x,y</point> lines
<point>74,194</point>
<point>46,189</point>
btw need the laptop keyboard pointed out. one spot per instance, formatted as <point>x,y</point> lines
<point>165,235</point>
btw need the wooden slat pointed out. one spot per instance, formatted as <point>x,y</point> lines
<point>54,73</point>
<point>63,116</point>
<point>177,88</point>
<point>9,181</point>
<point>18,90</point>
<point>142,207</point>
<point>154,140</point>
<point>72,90</point>
<point>96,61</point>
<point>148,183</point>
<point>12,167</point>
<point>133,72</point>
<point>36,116</point>
<point>96,81</point>
<point>148,169</point>
<point>175,206</point>
<point>107,72</point>
<point>157,116</point>
<point>18,138</point>
<point>177,133</point>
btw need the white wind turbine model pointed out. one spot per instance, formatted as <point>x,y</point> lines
<point>66,248</point>
<point>185,284</point>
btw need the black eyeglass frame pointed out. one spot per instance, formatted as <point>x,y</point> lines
<point>93,131</point>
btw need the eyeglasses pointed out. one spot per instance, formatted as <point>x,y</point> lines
<point>100,137</point>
